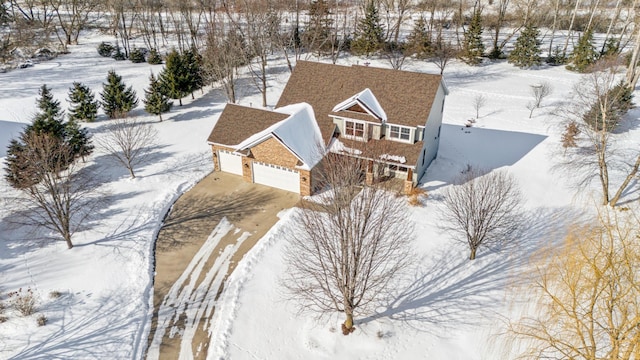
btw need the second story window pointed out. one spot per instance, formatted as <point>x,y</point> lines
<point>354,129</point>
<point>399,132</point>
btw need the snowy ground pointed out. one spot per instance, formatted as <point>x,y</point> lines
<point>448,308</point>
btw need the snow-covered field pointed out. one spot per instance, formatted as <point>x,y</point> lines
<point>447,307</point>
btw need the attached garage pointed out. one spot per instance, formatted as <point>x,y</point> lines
<point>230,162</point>
<point>276,176</point>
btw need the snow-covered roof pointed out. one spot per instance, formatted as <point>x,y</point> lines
<point>367,101</point>
<point>299,133</point>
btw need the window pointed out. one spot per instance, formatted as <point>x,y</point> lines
<point>354,129</point>
<point>400,132</point>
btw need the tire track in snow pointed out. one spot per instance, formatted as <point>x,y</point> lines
<point>177,299</point>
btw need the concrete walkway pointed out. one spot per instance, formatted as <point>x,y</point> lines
<point>208,230</point>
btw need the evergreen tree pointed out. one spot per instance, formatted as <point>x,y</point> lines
<point>19,172</point>
<point>84,106</point>
<point>154,57</point>
<point>49,108</point>
<point>419,40</point>
<point>369,34</point>
<point>78,139</point>
<point>584,54</point>
<point>194,74</point>
<point>155,102</point>
<point>117,99</point>
<point>174,77</point>
<point>527,49</point>
<point>472,46</point>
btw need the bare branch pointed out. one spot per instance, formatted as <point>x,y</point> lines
<point>128,142</point>
<point>482,209</point>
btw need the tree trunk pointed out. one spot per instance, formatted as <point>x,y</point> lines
<point>472,256</point>
<point>573,18</point>
<point>160,115</point>
<point>347,326</point>
<point>180,101</point>
<point>626,182</point>
<point>133,176</point>
<point>67,239</point>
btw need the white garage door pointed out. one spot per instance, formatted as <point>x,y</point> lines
<point>230,162</point>
<point>276,176</point>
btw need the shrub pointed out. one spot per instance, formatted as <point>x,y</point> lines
<point>55,294</point>
<point>556,57</point>
<point>137,55</point>
<point>23,302</point>
<point>106,49</point>
<point>415,195</point>
<point>42,320</point>
<point>154,57</point>
<point>118,55</point>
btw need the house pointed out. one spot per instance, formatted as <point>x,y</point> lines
<point>342,109</point>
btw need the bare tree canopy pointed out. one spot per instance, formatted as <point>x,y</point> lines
<point>538,92</point>
<point>128,142</point>
<point>482,209</point>
<point>345,250</point>
<point>588,294</point>
<point>62,198</point>
<point>599,103</point>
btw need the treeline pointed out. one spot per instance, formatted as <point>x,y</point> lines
<point>227,35</point>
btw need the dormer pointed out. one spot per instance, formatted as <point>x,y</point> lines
<point>362,102</point>
<point>360,117</point>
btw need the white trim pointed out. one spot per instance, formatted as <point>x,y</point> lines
<point>364,136</point>
<point>410,140</point>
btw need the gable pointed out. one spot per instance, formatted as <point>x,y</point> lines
<point>271,151</point>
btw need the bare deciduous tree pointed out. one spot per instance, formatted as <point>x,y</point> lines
<point>482,208</point>
<point>479,101</point>
<point>347,248</point>
<point>588,294</point>
<point>62,198</point>
<point>597,108</point>
<point>224,53</point>
<point>539,92</point>
<point>443,52</point>
<point>128,142</point>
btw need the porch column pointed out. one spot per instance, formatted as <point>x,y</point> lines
<point>369,175</point>
<point>408,183</point>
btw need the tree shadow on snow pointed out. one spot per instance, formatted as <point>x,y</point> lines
<point>104,333</point>
<point>452,291</point>
<point>200,214</point>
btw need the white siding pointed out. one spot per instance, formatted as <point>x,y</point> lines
<point>432,135</point>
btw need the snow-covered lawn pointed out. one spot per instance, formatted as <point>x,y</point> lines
<point>447,307</point>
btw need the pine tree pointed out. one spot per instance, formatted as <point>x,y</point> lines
<point>19,172</point>
<point>369,35</point>
<point>173,77</point>
<point>78,139</point>
<point>155,101</point>
<point>527,49</point>
<point>584,54</point>
<point>194,80</point>
<point>419,41</point>
<point>472,46</point>
<point>117,99</point>
<point>84,106</point>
